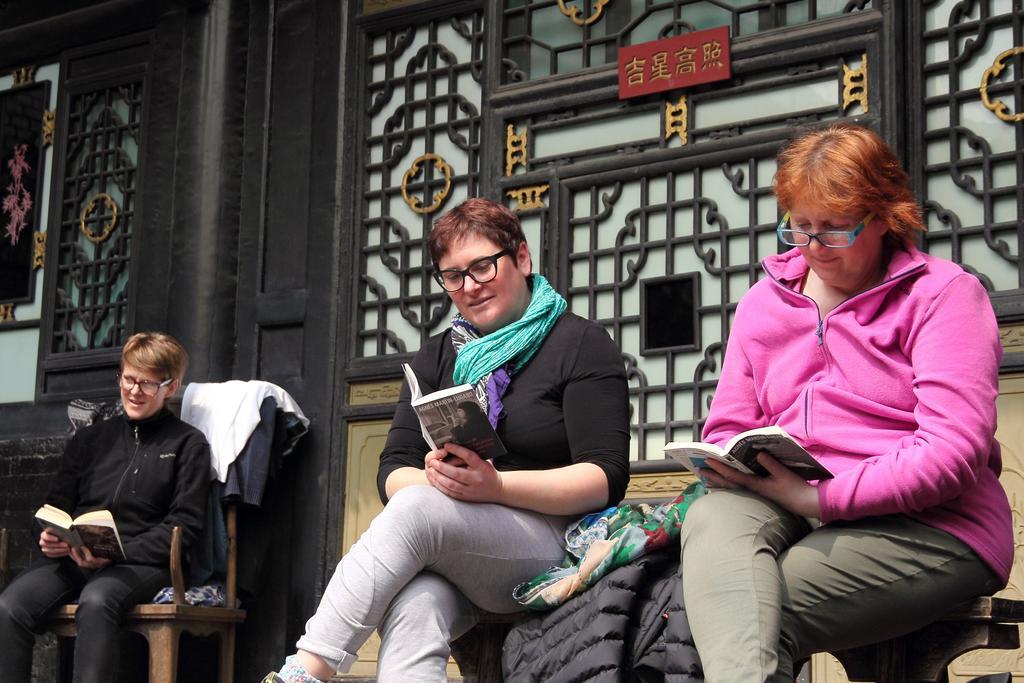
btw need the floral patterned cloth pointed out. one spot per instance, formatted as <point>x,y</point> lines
<point>211,595</point>
<point>603,541</point>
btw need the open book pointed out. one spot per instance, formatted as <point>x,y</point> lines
<point>95,530</point>
<point>453,415</point>
<point>740,453</point>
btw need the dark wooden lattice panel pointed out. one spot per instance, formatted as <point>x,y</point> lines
<point>971,163</point>
<point>551,37</point>
<point>421,149</point>
<point>97,214</point>
<point>708,224</point>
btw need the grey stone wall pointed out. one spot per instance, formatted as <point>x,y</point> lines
<point>26,469</point>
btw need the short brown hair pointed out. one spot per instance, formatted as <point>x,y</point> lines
<point>848,169</point>
<point>158,352</point>
<point>476,216</point>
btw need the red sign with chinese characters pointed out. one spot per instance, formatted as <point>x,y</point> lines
<point>679,62</point>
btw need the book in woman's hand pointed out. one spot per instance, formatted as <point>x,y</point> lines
<point>453,416</point>
<point>95,530</point>
<point>741,451</point>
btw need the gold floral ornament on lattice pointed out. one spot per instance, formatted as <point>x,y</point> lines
<point>49,126</point>
<point>23,75</point>
<point>515,148</point>
<point>529,197</point>
<point>676,119</point>
<point>855,84</point>
<point>440,165</point>
<point>574,12</point>
<point>998,107</point>
<point>39,251</point>
<point>90,209</point>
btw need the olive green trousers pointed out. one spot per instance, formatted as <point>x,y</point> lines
<point>764,588</point>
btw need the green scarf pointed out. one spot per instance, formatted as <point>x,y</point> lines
<point>517,341</point>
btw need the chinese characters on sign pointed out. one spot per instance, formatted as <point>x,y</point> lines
<point>678,62</point>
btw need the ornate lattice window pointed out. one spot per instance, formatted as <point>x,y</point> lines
<point>88,300</point>
<point>97,213</point>
<point>972,160</point>
<point>421,127</point>
<point>669,199</point>
<point>712,221</point>
<point>550,37</point>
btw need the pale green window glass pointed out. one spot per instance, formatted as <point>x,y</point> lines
<point>782,100</point>
<point>617,130</point>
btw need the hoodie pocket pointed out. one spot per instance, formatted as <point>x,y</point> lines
<point>808,401</point>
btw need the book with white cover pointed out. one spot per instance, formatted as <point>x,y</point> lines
<point>741,451</point>
<point>95,530</point>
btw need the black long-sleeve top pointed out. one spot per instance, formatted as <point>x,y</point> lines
<point>152,475</point>
<point>569,404</point>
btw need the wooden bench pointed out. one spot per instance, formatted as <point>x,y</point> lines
<point>162,625</point>
<point>919,657</point>
<point>925,654</point>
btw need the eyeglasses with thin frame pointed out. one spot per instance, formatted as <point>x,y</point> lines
<point>483,269</point>
<point>833,239</point>
<point>146,386</point>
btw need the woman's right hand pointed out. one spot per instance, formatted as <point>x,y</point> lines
<point>52,546</point>
<point>460,473</point>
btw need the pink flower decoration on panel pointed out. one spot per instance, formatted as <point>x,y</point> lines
<point>18,200</point>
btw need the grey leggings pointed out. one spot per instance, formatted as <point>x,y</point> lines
<point>419,574</point>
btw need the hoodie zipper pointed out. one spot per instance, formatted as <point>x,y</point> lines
<point>128,469</point>
<point>819,330</point>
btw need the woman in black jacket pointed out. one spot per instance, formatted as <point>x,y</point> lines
<point>151,471</point>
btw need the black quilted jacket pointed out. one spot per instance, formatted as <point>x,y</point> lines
<point>631,626</point>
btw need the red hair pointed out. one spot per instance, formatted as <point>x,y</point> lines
<point>850,170</point>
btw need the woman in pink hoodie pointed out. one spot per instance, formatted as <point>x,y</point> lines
<point>883,362</point>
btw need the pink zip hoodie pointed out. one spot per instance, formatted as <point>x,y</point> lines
<point>894,391</point>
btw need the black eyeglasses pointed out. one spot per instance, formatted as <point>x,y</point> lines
<point>146,386</point>
<point>482,270</point>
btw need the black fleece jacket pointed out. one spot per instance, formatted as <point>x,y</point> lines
<point>151,474</point>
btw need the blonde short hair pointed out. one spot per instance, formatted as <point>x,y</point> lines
<point>160,353</point>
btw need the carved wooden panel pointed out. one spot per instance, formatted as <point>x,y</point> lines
<point>374,392</point>
<point>365,442</point>
<point>1010,433</point>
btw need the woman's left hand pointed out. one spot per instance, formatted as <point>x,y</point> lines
<point>781,485</point>
<point>84,558</point>
<point>467,476</point>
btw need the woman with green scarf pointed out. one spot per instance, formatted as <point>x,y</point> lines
<point>457,534</point>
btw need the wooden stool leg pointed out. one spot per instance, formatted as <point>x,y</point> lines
<point>227,655</point>
<point>891,665</point>
<point>163,653</point>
